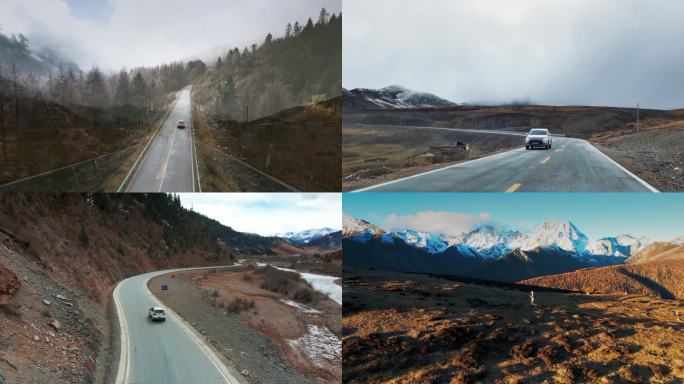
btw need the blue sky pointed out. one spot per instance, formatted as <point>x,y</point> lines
<point>269,213</point>
<point>97,10</point>
<point>657,216</point>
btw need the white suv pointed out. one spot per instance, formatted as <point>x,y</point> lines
<point>538,138</point>
<point>157,314</point>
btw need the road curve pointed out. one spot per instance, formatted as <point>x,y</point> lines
<point>572,165</point>
<point>168,352</point>
<point>169,162</point>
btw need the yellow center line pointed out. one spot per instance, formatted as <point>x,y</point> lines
<point>513,187</point>
<point>546,160</point>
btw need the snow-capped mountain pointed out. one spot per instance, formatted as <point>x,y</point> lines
<point>492,242</point>
<point>557,234</point>
<point>320,237</point>
<point>353,227</point>
<point>392,97</point>
<point>307,235</point>
<point>431,243</point>
<point>623,245</point>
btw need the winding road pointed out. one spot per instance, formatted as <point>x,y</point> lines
<point>572,165</point>
<point>169,164</point>
<point>167,352</point>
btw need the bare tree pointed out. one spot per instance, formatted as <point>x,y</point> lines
<point>2,115</point>
<point>16,96</point>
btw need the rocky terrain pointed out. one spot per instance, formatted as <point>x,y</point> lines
<point>60,257</point>
<point>269,324</point>
<point>412,328</point>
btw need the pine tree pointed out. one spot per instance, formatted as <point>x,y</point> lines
<point>323,17</point>
<point>288,31</point>
<point>123,89</point>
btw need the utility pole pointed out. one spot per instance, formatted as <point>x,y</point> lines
<point>637,122</point>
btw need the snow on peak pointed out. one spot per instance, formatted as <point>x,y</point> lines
<point>678,241</point>
<point>493,242</point>
<point>621,246</point>
<point>558,234</point>
<point>431,243</point>
<point>353,227</point>
<point>307,235</point>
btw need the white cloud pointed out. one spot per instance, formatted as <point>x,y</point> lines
<point>269,213</point>
<point>153,32</point>
<point>436,222</point>
<point>609,52</point>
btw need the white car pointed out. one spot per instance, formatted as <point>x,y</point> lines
<point>181,124</point>
<point>538,138</point>
<point>157,314</point>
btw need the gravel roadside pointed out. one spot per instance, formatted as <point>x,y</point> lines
<point>256,357</point>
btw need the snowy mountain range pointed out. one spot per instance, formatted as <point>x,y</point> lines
<point>492,252</point>
<point>327,237</point>
<point>392,97</point>
<point>491,242</point>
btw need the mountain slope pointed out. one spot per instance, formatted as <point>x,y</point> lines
<point>27,59</point>
<point>69,250</point>
<point>659,251</point>
<point>244,243</point>
<point>656,278</point>
<point>392,97</point>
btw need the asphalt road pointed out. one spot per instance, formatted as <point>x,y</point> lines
<point>163,352</point>
<point>572,165</point>
<point>169,163</point>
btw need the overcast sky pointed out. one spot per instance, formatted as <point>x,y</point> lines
<point>269,213</point>
<point>608,52</point>
<point>116,33</point>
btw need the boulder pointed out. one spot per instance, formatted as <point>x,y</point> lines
<point>9,284</point>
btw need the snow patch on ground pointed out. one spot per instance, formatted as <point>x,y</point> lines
<point>322,283</point>
<point>300,306</point>
<point>318,343</point>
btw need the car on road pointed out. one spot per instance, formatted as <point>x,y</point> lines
<point>157,314</point>
<point>181,124</point>
<point>538,138</point>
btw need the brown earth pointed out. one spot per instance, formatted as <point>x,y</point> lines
<point>664,279</point>
<point>299,146</point>
<point>375,154</point>
<point>70,250</point>
<point>248,302</point>
<point>67,135</point>
<point>411,328</point>
<point>659,251</point>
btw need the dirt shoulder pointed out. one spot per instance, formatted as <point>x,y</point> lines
<point>414,328</point>
<point>656,154</point>
<point>373,154</point>
<point>266,332</point>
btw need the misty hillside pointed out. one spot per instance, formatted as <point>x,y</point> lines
<point>392,97</point>
<point>301,66</point>
<point>17,49</point>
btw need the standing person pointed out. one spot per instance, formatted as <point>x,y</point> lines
<point>532,299</point>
